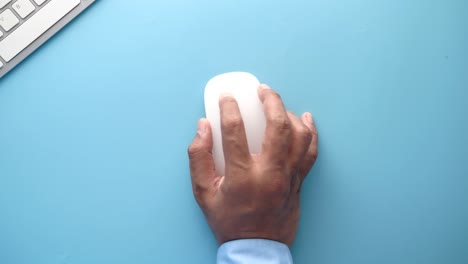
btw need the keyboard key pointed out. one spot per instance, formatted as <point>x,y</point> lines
<point>1,64</point>
<point>4,3</point>
<point>23,8</point>
<point>38,2</point>
<point>8,20</point>
<point>34,27</point>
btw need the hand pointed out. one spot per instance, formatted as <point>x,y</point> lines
<point>259,195</point>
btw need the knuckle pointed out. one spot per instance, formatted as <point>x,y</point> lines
<point>281,123</point>
<point>193,151</point>
<point>315,133</point>
<point>199,192</point>
<point>311,157</point>
<point>305,134</point>
<point>314,155</point>
<point>232,122</point>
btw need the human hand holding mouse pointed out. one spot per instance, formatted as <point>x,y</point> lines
<point>258,197</point>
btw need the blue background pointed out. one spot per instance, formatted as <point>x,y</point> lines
<point>94,128</point>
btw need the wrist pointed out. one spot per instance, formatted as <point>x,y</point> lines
<point>250,236</point>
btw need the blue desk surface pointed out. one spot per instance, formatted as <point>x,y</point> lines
<point>94,128</point>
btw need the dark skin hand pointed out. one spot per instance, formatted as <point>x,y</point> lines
<point>259,196</point>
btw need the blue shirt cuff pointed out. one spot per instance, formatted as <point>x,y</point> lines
<point>254,251</point>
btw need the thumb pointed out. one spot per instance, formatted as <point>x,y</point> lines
<point>202,169</point>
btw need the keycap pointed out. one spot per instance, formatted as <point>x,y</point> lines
<point>4,3</point>
<point>8,20</point>
<point>33,28</point>
<point>39,2</point>
<point>23,8</point>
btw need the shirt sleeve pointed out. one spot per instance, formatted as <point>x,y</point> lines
<point>254,251</point>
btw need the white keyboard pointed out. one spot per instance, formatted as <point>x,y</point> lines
<point>26,24</point>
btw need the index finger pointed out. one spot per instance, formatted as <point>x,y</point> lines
<point>235,146</point>
<point>278,126</point>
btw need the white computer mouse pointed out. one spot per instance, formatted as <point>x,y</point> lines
<point>243,86</point>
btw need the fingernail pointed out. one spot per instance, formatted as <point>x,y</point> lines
<point>264,87</point>
<point>224,95</point>
<point>202,126</point>
<point>309,118</point>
